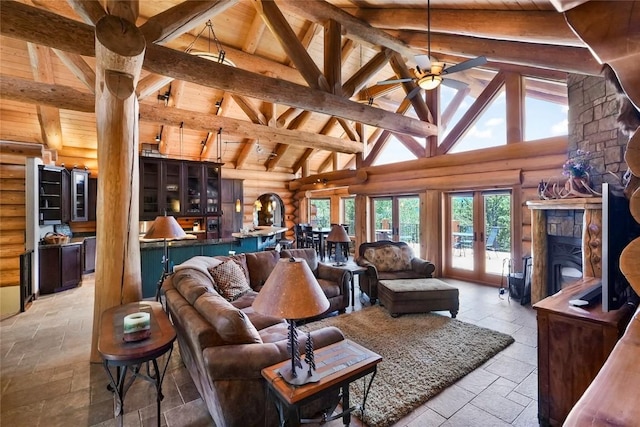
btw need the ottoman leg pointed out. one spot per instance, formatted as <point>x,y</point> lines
<point>454,313</point>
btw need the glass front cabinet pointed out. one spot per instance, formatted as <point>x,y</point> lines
<point>79,195</point>
<point>179,187</point>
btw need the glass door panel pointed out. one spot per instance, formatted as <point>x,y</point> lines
<point>194,184</point>
<point>461,209</point>
<point>172,180</point>
<point>213,182</point>
<point>478,235</point>
<point>408,221</point>
<point>497,231</point>
<point>382,218</point>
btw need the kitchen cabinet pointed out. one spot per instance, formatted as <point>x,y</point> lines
<point>89,255</point>
<point>231,221</point>
<point>93,198</point>
<point>179,187</point>
<point>53,195</point>
<point>79,195</point>
<point>60,267</point>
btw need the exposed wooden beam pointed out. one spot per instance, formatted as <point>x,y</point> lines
<point>79,67</point>
<point>22,90</point>
<point>321,11</point>
<point>514,94</point>
<point>362,76</point>
<point>171,134</point>
<point>151,84</point>
<point>179,19</point>
<point>252,112</point>
<point>279,151</point>
<point>19,21</point>
<point>90,11</point>
<point>533,26</point>
<point>332,56</point>
<point>467,120</point>
<point>565,58</point>
<point>243,129</point>
<point>48,116</point>
<point>248,146</point>
<point>28,91</point>
<point>303,159</point>
<point>411,145</point>
<point>383,138</point>
<point>282,31</point>
<point>416,101</point>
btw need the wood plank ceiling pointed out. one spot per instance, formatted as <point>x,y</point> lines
<point>296,65</point>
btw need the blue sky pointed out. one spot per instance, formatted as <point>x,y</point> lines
<point>542,120</point>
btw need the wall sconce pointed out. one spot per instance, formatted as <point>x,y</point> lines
<point>258,205</point>
<point>238,206</point>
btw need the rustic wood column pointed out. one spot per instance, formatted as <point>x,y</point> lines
<point>120,48</point>
<point>592,243</point>
<point>539,254</point>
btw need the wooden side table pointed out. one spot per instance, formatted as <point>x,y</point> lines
<point>355,270</point>
<point>338,365</point>
<point>132,356</point>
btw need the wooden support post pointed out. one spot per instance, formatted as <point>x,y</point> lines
<point>539,252</point>
<point>120,49</point>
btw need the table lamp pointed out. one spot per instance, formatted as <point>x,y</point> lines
<point>164,227</point>
<point>338,235</point>
<point>292,292</point>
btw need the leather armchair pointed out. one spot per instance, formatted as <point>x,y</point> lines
<point>334,281</point>
<point>387,260</point>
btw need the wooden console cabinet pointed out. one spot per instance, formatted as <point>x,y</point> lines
<point>573,344</point>
<point>60,267</point>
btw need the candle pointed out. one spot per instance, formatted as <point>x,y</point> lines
<point>137,326</point>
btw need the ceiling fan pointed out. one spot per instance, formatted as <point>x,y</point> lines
<point>429,74</point>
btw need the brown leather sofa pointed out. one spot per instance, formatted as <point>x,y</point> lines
<point>387,260</point>
<point>224,345</point>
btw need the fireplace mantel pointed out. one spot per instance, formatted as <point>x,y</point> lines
<point>582,203</point>
<point>591,239</point>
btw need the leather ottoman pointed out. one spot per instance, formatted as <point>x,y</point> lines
<point>418,296</point>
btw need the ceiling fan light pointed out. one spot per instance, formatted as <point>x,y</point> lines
<point>430,82</point>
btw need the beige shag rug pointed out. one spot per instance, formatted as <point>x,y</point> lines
<point>422,354</point>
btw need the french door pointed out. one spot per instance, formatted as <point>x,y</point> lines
<point>396,218</point>
<point>478,235</point>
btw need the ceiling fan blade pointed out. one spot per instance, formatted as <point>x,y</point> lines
<point>413,92</point>
<point>388,82</point>
<point>423,61</point>
<point>475,62</point>
<point>454,84</point>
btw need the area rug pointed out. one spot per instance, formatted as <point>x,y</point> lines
<point>422,354</point>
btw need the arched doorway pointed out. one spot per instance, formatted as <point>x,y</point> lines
<point>268,210</point>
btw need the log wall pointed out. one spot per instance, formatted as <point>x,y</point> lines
<point>12,224</point>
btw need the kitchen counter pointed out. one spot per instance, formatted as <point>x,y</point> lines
<point>260,231</point>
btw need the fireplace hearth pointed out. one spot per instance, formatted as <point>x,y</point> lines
<point>564,263</point>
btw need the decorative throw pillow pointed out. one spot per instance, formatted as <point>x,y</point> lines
<point>230,280</point>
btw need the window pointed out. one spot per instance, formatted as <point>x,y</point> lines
<point>320,210</point>
<point>349,214</point>
<point>546,109</point>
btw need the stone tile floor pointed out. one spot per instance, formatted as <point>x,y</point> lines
<point>46,378</point>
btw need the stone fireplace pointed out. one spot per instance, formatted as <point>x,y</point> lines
<point>565,243</point>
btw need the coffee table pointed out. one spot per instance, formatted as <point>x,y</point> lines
<point>338,365</point>
<point>133,356</point>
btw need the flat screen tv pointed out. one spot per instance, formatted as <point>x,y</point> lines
<point>619,228</point>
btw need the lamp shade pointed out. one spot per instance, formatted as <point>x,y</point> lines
<point>291,292</point>
<point>165,227</point>
<point>338,234</point>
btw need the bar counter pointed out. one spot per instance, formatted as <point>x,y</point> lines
<point>151,251</point>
